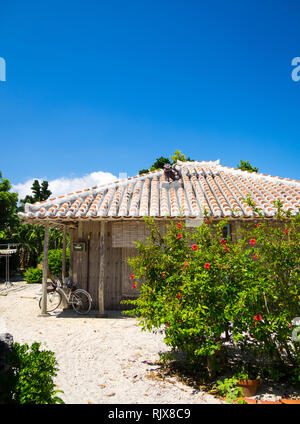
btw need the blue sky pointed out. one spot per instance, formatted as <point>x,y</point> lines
<point>111,85</point>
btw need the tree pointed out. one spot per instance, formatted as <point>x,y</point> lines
<point>246,166</point>
<point>180,156</point>
<point>40,193</point>
<point>161,161</point>
<point>31,236</point>
<point>143,171</point>
<point>8,206</point>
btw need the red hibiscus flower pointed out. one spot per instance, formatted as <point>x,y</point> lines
<point>195,247</point>
<point>253,242</point>
<point>178,295</point>
<point>255,256</point>
<point>258,317</point>
<point>133,285</point>
<point>185,264</point>
<point>167,324</point>
<point>257,225</point>
<point>226,248</point>
<point>179,225</point>
<point>223,241</point>
<point>163,274</point>
<point>207,265</point>
<point>179,236</point>
<point>207,220</point>
<point>132,276</point>
<point>286,231</point>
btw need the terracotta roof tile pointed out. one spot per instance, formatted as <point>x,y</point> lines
<point>203,186</point>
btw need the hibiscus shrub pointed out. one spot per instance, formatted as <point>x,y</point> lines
<point>204,291</point>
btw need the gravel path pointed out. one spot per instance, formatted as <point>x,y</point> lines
<point>101,360</point>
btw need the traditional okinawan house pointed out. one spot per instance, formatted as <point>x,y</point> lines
<point>105,221</point>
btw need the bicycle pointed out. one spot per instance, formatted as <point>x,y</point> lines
<point>80,299</point>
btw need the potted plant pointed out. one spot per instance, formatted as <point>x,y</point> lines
<point>228,388</point>
<point>248,381</point>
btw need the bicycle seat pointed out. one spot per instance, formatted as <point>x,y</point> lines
<point>72,286</point>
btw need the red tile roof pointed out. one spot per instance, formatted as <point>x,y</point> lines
<point>220,190</point>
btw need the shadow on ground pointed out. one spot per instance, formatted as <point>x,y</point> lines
<point>70,313</point>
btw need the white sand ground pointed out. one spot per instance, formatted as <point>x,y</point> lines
<point>101,360</point>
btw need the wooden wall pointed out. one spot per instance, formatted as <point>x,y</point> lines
<point>113,272</point>
<point>85,265</point>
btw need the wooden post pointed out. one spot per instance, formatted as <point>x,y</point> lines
<point>88,261</point>
<point>101,270</point>
<point>71,253</point>
<point>64,303</point>
<point>63,273</point>
<point>45,273</point>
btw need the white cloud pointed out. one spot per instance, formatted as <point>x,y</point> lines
<point>22,189</point>
<point>65,185</point>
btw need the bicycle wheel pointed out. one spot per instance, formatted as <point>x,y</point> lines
<point>81,301</point>
<point>53,301</point>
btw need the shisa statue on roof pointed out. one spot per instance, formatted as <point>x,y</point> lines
<point>171,172</point>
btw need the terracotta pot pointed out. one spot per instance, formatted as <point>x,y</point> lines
<point>290,401</point>
<point>249,387</point>
<point>251,401</point>
<point>267,402</point>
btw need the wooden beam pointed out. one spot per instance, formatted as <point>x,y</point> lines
<point>45,273</point>
<point>101,270</point>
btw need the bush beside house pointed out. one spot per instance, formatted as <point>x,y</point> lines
<point>55,257</point>
<point>205,291</point>
<point>33,275</point>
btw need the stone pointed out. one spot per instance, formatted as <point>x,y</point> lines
<point>6,344</point>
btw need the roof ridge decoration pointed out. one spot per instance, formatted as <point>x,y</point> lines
<point>202,185</point>
<point>81,193</point>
